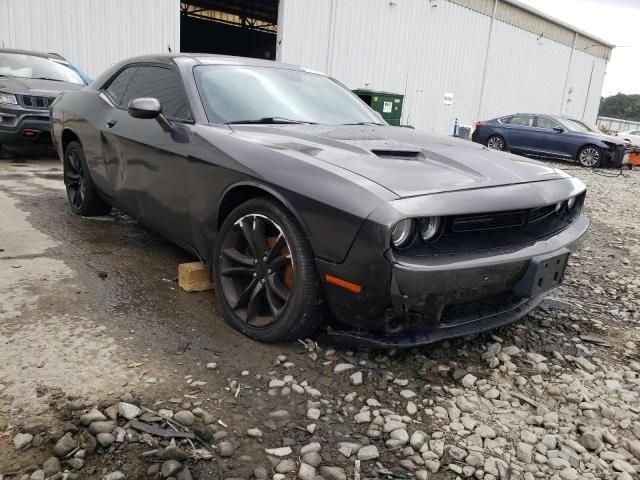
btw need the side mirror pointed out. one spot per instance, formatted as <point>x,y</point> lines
<point>145,107</point>
<point>558,129</point>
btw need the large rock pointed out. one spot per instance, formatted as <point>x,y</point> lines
<point>37,475</point>
<point>312,458</point>
<point>524,452</point>
<point>94,415</point>
<point>370,452</point>
<point>22,440</point>
<point>311,447</point>
<point>279,452</point>
<point>185,417</point>
<point>128,410</point>
<point>333,473</point>
<point>468,380</point>
<point>51,467</point>
<point>170,468</point>
<point>102,427</point>
<point>342,367</point>
<point>64,445</point>
<point>306,472</point>
<point>117,475</point>
<point>87,442</point>
<point>105,439</point>
<point>591,441</point>
<point>356,378</point>
<point>184,474</point>
<point>286,466</point>
<point>634,448</point>
<point>225,449</point>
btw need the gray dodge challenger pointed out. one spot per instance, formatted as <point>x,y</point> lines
<point>309,209</point>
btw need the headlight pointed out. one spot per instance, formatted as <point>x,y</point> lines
<point>560,206</point>
<point>8,98</point>
<point>401,233</point>
<point>571,203</point>
<point>429,227</point>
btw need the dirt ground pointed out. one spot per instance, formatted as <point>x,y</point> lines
<point>90,312</point>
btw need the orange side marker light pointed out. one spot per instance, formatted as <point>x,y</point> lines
<point>352,287</point>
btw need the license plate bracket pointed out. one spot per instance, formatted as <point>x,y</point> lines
<point>545,272</point>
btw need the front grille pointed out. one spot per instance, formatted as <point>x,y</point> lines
<point>469,311</point>
<point>541,212</point>
<point>475,223</point>
<point>482,231</point>
<point>41,103</point>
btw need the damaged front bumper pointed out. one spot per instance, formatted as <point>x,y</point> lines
<point>408,301</point>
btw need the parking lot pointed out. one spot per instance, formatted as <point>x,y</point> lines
<point>91,314</point>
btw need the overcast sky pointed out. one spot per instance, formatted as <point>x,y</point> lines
<point>618,22</point>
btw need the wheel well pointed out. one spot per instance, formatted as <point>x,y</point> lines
<point>67,137</point>
<point>237,196</point>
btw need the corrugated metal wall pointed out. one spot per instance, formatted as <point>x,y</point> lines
<point>426,48</point>
<point>93,34</point>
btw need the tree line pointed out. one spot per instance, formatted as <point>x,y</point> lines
<point>626,107</point>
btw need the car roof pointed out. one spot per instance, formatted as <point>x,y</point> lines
<point>25,52</point>
<point>213,59</point>
<point>535,114</point>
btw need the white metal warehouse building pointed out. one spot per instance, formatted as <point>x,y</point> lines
<point>488,57</point>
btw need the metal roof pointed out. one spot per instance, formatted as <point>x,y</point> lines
<point>568,26</point>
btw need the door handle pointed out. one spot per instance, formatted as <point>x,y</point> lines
<point>111,122</point>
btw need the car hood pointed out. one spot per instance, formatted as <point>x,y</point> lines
<point>601,137</point>
<point>38,88</point>
<point>404,161</point>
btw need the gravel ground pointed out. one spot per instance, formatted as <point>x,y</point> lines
<point>109,371</point>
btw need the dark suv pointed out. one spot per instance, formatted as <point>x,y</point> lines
<point>550,136</point>
<point>29,82</point>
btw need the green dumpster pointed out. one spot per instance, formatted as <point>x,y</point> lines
<point>389,105</point>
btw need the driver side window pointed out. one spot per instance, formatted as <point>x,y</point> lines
<point>118,86</point>
<point>546,122</point>
<point>162,83</point>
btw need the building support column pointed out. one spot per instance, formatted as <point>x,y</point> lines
<point>486,59</point>
<point>566,78</point>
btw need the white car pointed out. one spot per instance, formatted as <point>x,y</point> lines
<point>632,137</point>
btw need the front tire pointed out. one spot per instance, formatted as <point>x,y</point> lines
<point>496,142</point>
<point>81,192</point>
<point>265,275</point>
<point>590,156</point>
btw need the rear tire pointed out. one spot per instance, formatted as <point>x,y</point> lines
<point>265,274</point>
<point>496,142</point>
<point>81,192</point>
<point>590,156</point>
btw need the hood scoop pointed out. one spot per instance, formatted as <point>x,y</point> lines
<point>399,154</point>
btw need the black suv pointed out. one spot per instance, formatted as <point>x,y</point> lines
<point>29,82</point>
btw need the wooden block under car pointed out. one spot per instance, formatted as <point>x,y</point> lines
<point>194,277</point>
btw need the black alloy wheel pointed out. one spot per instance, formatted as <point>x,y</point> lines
<point>265,273</point>
<point>73,176</point>
<point>81,193</point>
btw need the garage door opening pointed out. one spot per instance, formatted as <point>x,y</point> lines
<point>245,28</point>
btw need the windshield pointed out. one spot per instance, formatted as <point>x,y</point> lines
<point>28,66</point>
<point>573,126</point>
<point>246,94</point>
